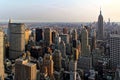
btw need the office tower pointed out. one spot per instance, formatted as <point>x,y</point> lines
<point>65,38</point>
<point>57,41</point>
<point>84,63</point>
<point>117,76</point>
<point>62,48</point>
<point>1,55</point>
<point>8,32</point>
<point>17,39</point>
<point>57,60</point>
<point>48,65</point>
<point>39,34</point>
<point>74,35</point>
<point>27,35</point>
<point>75,53</point>
<point>72,69</point>
<point>68,49</point>
<point>85,60</point>
<point>25,70</point>
<point>93,41</point>
<point>76,44</point>
<point>114,42</point>
<point>48,36</point>
<point>54,35</point>
<point>84,43</point>
<point>100,27</point>
<point>33,35</point>
<point>64,30</point>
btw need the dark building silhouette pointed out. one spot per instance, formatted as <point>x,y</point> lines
<point>100,27</point>
<point>64,30</point>
<point>54,34</point>
<point>39,34</point>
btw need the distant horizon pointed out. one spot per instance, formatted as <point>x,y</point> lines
<point>59,10</point>
<point>52,22</point>
<point>32,21</point>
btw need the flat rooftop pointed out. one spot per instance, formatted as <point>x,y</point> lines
<point>114,35</point>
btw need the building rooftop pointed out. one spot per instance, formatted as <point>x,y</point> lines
<point>29,64</point>
<point>114,35</point>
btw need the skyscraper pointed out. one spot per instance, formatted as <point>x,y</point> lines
<point>85,60</point>
<point>65,38</point>
<point>74,35</point>
<point>100,27</point>
<point>27,35</point>
<point>114,43</point>
<point>48,64</point>
<point>25,70</point>
<point>93,40</point>
<point>1,56</point>
<point>64,30</point>
<point>39,34</point>
<point>84,43</point>
<point>72,69</point>
<point>62,48</point>
<point>48,36</point>
<point>17,39</point>
<point>57,57</point>
<point>54,35</point>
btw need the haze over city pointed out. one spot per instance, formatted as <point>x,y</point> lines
<point>59,40</point>
<point>59,10</point>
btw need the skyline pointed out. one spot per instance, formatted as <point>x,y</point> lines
<point>59,10</point>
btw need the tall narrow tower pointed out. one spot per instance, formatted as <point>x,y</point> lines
<point>74,34</point>
<point>100,27</point>
<point>48,36</point>
<point>84,42</point>
<point>1,56</point>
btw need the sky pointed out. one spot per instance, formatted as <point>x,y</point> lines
<point>59,10</point>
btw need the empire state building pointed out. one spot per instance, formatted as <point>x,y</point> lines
<point>100,27</point>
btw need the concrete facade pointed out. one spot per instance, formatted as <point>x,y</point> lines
<point>17,39</point>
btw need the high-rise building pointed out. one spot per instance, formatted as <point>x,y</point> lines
<point>54,35</point>
<point>64,30</point>
<point>72,69</point>
<point>48,36</point>
<point>57,57</point>
<point>33,35</point>
<point>84,63</point>
<point>8,32</point>
<point>76,44</point>
<point>39,34</point>
<point>57,41</point>
<point>27,35</point>
<point>93,40</point>
<point>17,39</point>
<point>74,35</point>
<point>25,70</point>
<point>117,76</point>
<point>62,48</point>
<point>75,53</point>
<point>65,38</point>
<point>85,60</point>
<point>48,65</point>
<point>68,49</point>
<point>1,55</point>
<point>114,43</point>
<point>100,27</point>
<point>84,43</point>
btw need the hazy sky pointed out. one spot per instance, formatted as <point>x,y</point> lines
<point>59,10</point>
